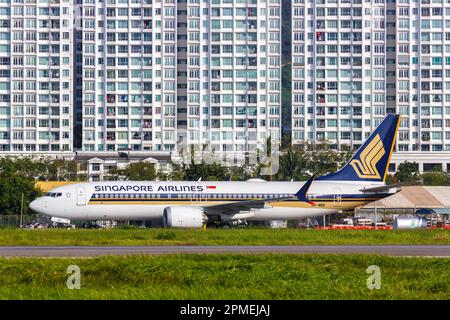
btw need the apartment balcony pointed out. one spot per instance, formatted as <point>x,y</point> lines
<point>320,36</point>
<point>357,112</point>
<point>320,124</point>
<point>136,136</point>
<point>437,98</point>
<point>215,49</point>
<point>147,24</point>
<point>426,137</point>
<point>320,86</point>
<point>357,37</point>
<point>252,13</point>
<point>252,24</point>
<point>252,124</point>
<point>252,49</point>
<point>357,74</point>
<point>147,99</point>
<point>346,61</point>
<point>54,74</point>
<point>147,124</point>
<point>110,98</point>
<point>122,98</point>
<point>320,62</point>
<point>320,111</point>
<point>357,62</point>
<point>320,98</point>
<point>425,49</point>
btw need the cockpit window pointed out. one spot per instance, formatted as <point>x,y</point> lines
<point>53,194</point>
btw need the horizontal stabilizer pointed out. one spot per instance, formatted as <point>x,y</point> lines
<point>391,186</point>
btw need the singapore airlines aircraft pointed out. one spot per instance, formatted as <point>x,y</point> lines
<point>192,204</point>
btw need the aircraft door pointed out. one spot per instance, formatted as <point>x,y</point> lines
<point>337,200</point>
<point>81,196</point>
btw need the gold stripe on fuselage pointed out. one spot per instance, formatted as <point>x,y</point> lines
<point>345,204</point>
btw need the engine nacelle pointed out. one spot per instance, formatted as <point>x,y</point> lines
<point>184,217</point>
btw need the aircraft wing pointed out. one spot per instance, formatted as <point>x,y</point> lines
<point>238,206</point>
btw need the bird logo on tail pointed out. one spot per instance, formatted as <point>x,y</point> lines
<point>366,166</point>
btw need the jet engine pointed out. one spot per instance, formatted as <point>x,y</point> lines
<point>184,217</point>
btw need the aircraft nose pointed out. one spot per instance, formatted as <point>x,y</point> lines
<point>37,205</point>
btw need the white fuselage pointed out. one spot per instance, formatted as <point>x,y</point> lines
<point>147,200</point>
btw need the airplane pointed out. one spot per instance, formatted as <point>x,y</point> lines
<point>193,204</point>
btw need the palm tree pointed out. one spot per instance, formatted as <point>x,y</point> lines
<point>293,165</point>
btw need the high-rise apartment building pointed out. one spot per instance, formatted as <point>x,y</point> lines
<point>36,76</point>
<point>151,72</point>
<point>119,90</point>
<point>343,69</point>
<point>353,61</point>
<point>142,75</point>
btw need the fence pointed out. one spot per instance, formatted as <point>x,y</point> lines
<point>12,221</point>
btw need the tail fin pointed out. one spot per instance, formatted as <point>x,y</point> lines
<point>371,161</point>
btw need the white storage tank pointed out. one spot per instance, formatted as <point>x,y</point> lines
<point>409,223</point>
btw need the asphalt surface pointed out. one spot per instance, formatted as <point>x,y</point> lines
<point>87,251</point>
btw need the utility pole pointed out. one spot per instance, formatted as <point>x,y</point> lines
<point>376,215</point>
<point>21,212</point>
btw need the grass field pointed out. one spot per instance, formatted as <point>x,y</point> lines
<point>226,277</point>
<point>84,237</point>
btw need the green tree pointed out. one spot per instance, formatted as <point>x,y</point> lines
<point>293,165</point>
<point>436,179</point>
<point>299,164</point>
<point>12,186</point>
<point>208,172</point>
<point>322,160</point>
<point>25,165</point>
<point>242,173</point>
<point>18,176</point>
<point>391,178</point>
<point>61,170</point>
<point>176,172</point>
<point>42,168</point>
<point>138,171</point>
<point>407,172</point>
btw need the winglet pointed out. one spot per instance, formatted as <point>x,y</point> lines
<point>301,194</point>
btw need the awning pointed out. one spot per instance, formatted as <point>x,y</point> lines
<point>416,197</point>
